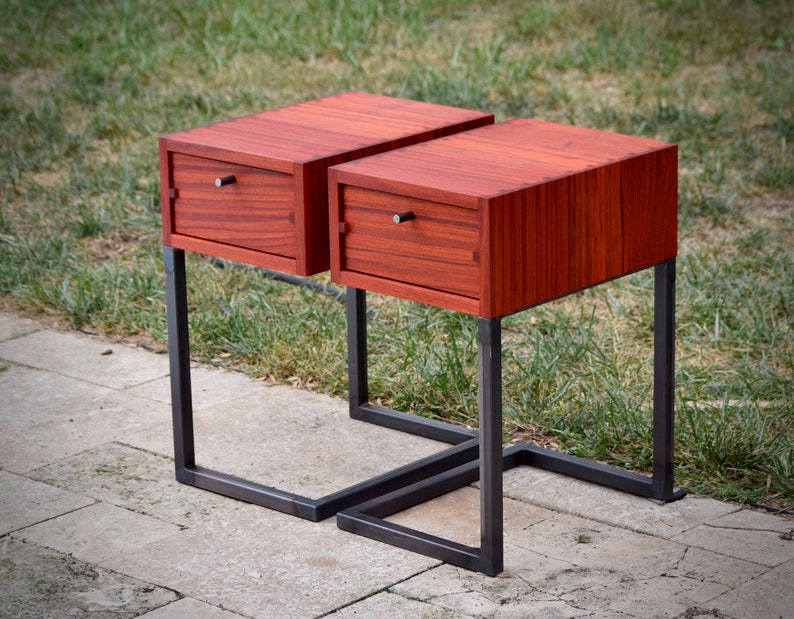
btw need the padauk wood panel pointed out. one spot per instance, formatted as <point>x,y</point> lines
<point>437,249</point>
<point>650,207</point>
<point>233,214</point>
<point>560,208</point>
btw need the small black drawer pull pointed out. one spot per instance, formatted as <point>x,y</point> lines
<point>401,217</point>
<point>225,180</point>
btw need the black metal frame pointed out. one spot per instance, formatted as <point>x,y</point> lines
<point>364,507</point>
<point>368,519</point>
<point>187,472</point>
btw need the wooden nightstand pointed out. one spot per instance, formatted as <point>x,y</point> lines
<point>254,190</point>
<point>490,222</point>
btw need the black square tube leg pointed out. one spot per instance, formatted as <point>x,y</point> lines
<point>357,348</point>
<point>490,404</point>
<point>664,381</point>
<point>361,409</point>
<point>179,357</point>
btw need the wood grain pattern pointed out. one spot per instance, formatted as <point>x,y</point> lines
<point>301,141</point>
<point>233,214</point>
<point>437,249</point>
<point>559,208</point>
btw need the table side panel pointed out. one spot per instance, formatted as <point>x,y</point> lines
<point>649,184</point>
<point>311,222</point>
<point>572,233</point>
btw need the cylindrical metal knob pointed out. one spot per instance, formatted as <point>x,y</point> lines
<point>225,180</point>
<point>401,217</point>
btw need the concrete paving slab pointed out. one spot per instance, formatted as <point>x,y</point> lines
<point>137,480</point>
<point>209,386</point>
<point>572,496</point>
<point>706,566</point>
<point>549,590</point>
<point>188,608</point>
<point>695,574</point>
<point>47,417</point>
<point>614,571</point>
<point>475,595</point>
<point>391,605</point>
<point>752,520</point>
<point>770,595</point>
<point>264,563</point>
<point>748,535</point>
<point>158,438</point>
<point>24,502</point>
<point>97,532</point>
<point>38,583</point>
<point>102,363</point>
<point>294,440</point>
<point>588,544</point>
<point>456,516</point>
<point>614,593</point>
<point>572,549</point>
<point>12,326</point>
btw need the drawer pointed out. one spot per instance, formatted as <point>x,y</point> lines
<point>436,248</point>
<point>256,211</point>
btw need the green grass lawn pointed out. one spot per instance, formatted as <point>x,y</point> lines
<point>86,89</point>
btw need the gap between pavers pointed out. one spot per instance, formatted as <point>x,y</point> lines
<point>97,532</point>
<point>24,502</point>
<point>749,535</point>
<point>88,359</point>
<point>138,480</point>
<point>388,604</point>
<point>262,563</point>
<point>294,440</point>
<point>188,608</point>
<point>769,595</point>
<point>46,584</point>
<point>12,326</point>
<point>46,417</point>
<point>572,496</point>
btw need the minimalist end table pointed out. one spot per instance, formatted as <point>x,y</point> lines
<point>490,222</point>
<point>254,190</point>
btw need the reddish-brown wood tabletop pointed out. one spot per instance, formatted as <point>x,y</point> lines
<point>503,217</point>
<point>269,207</point>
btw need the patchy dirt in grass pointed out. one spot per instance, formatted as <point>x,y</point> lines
<point>113,246</point>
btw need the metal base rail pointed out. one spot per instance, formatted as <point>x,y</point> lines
<point>368,519</point>
<point>464,440</point>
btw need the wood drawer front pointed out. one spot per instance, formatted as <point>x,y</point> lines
<point>255,212</point>
<point>438,249</point>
